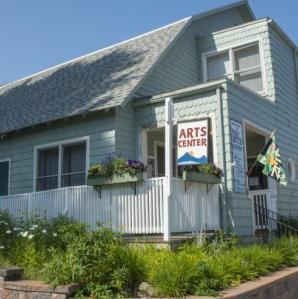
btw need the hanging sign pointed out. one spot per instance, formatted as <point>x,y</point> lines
<point>192,142</point>
<point>238,157</point>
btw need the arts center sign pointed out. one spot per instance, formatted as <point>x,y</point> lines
<point>192,142</point>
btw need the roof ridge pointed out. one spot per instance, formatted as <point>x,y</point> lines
<point>94,52</point>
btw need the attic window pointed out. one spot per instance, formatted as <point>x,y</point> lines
<point>242,64</point>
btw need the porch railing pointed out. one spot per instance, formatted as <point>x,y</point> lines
<point>193,207</point>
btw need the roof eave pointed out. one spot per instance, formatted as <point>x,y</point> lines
<point>243,3</point>
<point>283,35</point>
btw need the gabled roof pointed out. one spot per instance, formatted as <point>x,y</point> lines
<point>100,80</point>
<point>97,81</point>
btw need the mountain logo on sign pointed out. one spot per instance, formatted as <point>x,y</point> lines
<point>187,158</point>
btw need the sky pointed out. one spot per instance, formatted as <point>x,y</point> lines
<point>38,34</point>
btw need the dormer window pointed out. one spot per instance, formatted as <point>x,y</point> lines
<point>242,64</point>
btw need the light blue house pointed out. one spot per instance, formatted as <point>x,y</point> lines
<point>224,65</point>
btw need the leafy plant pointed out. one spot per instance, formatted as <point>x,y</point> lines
<point>208,168</point>
<point>116,166</point>
<point>62,251</point>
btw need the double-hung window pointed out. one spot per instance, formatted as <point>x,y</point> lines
<point>242,64</point>
<point>61,165</point>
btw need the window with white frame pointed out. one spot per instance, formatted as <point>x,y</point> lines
<point>242,64</point>
<point>61,165</point>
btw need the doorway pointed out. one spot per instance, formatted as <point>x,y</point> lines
<point>261,189</point>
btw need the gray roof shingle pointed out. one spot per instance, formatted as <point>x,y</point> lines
<point>96,81</point>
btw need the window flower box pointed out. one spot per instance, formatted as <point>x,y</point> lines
<point>203,173</point>
<point>116,171</point>
<point>192,176</point>
<point>115,179</point>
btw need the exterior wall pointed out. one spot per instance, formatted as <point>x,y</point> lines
<point>284,72</point>
<point>244,105</point>
<point>187,108</point>
<point>179,67</point>
<point>241,35</point>
<point>296,58</point>
<point>20,147</point>
<point>280,112</point>
<point>125,132</point>
<point>285,115</point>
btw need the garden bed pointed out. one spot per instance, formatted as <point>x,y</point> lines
<point>61,251</point>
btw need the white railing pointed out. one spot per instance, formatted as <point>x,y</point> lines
<point>193,207</point>
<point>263,202</point>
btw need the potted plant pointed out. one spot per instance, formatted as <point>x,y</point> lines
<point>202,173</point>
<point>114,170</point>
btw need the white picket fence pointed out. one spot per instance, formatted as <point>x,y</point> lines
<point>193,207</point>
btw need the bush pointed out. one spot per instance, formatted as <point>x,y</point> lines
<point>216,265</point>
<point>99,261</point>
<point>62,251</point>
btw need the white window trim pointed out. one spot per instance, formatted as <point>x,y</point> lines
<point>292,173</point>
<point>9,170</point>
<point>272,184</point>
<point>206,55</point>
<point>60,144</point>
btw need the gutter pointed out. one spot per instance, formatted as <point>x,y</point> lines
<point>282,34</point>
<point>181,93</point>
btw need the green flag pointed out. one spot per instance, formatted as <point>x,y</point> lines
<point>270,158</point>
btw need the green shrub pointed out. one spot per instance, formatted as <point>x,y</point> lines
<point>176,277</point>
<point>97,260</point>
<point>62,251</point>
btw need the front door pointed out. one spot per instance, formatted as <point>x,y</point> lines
<point>262,190</point>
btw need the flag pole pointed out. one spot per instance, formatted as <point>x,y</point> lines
<point>248,173</point>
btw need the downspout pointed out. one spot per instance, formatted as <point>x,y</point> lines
<point>225,199</point>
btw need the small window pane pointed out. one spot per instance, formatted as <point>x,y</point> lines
<point>73,179</point>
<point>47,183</point>
<point>48,162</point>
<point>4,173</point>
<point>74,165</point>
<point>250,79</point>
<point>47,174</point>
<point>74,158</point>
<point>151,167</point>
<point>247,57</point>
<point>218,65</point>
<point>160,161</point>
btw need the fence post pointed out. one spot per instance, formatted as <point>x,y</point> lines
<point>168,167</point>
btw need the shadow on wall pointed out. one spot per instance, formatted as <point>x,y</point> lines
<point>101,79</point>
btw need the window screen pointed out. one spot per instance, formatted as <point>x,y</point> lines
<point>4,177</point>
<point>74,165</point>
<point>248,71</point>
<point>245,70</point>
<point>47,173</point>
<point>218,65</point>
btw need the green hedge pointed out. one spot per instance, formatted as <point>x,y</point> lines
<point>61,251</point>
